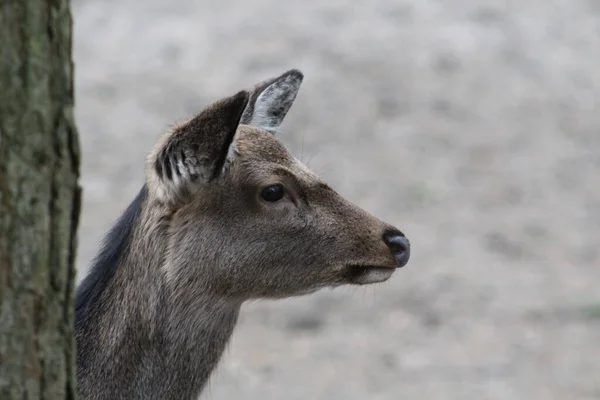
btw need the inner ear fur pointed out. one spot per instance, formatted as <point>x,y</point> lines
<point>271,100</point>
<point>197,150</point>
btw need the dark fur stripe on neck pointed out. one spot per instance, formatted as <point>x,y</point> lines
<point>115,246</point>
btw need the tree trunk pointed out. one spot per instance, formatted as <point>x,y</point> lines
<point>39,200</point>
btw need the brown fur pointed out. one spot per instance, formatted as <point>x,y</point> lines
<point>200,240</point>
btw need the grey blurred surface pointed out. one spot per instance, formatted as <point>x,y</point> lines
<point>474,126</point>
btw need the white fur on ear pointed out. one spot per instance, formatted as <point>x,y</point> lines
<point>271,100</point>
<point>198,151</point>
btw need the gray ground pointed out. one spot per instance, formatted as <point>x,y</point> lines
<point>474,126</point>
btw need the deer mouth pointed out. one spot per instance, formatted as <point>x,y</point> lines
<point>366,274</point>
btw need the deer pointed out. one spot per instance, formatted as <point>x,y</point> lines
<point>226,214</point>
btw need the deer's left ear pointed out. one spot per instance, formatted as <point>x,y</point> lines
<point>196,152</point>
<point>271,100</point>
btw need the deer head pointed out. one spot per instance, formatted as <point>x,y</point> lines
<point>247,219</point>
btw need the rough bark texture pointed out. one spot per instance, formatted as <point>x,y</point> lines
<point>39,200</point>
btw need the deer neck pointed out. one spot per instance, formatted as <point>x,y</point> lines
<point>197,337</point>
<point>139,339</point>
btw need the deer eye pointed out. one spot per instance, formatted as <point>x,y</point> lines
<point>272,193</point>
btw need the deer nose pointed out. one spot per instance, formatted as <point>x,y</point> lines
<point>399,245</point>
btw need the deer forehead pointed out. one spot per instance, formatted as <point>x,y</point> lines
<point>255,144</point>
<point>259,147</point>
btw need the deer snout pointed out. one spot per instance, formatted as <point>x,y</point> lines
<point>399,246</point>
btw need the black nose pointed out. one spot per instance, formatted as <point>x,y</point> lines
<point>399,245</point>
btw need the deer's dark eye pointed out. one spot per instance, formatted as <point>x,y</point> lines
<point>272,193</point>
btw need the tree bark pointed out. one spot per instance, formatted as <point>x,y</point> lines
<point>39,200</point>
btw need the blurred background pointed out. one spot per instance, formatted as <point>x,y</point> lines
<point>473,126</point>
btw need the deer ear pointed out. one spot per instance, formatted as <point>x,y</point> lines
<point>196,151</point>
<point>271,100</point>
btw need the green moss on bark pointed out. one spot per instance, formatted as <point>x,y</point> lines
<point>39,200</point>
